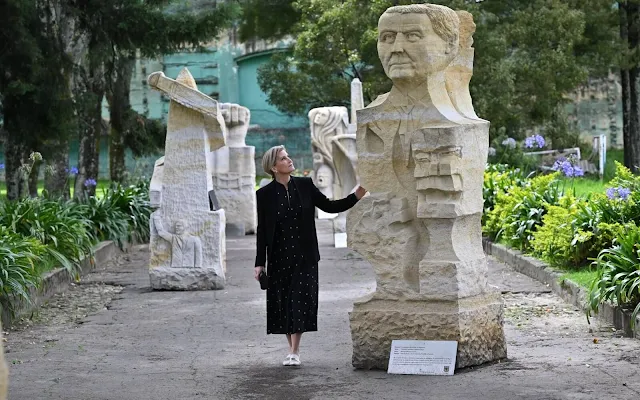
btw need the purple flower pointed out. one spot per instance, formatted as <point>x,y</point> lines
<point>567,168</point>
<point>74,171</point>
<point>1,165</point>
<point>577,171</point>
<point>492,152</point>
<point>509,142</point>
<point>534,141</point>
<point>620,192</point>
<point>624,193</point>
<point>90,182</point>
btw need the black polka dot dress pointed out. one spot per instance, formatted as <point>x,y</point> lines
<point>292,296</point>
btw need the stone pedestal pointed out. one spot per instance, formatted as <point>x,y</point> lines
<point>474,322</point>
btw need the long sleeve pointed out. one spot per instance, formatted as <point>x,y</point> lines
<point>331,206</point>
<point>261,244</point>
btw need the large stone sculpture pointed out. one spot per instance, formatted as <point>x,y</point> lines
<point>421,153</point>
<point>193,256</point>
<point>234,173</point>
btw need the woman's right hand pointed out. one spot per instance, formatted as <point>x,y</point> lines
<point>256,272</point>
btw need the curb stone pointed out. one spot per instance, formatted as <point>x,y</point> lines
<point>58,280</point>
<point>566,289</point>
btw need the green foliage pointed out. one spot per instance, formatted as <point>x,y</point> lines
<point>271,19</point>
<point>20,258</point>
<point>133,201</point>
<point>552,240</point>
<point>58,225</point>
<point>618,277</point>
<point>498,178</point>
<point>518,213</point>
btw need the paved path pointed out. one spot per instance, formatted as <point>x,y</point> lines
<point>212,345</point>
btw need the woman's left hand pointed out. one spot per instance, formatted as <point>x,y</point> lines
<point>360,192</point>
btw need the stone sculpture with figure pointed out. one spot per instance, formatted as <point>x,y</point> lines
<point>180,190</point>
<point>421,153</point>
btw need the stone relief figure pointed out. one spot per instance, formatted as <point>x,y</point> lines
<point>186,250</point>
<point>325,124</point>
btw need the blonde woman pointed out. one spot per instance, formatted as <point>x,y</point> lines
<point>286,239</point>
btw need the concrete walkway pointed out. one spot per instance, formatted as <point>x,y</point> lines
<point>213,345</point>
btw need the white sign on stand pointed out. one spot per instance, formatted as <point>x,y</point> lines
<point>422,357</point>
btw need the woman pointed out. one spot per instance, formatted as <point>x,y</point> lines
<point>286,237</point>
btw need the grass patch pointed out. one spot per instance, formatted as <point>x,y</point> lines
<point>582,278</point>
<point>582,187</point>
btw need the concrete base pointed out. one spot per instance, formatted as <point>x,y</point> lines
<point>167,278</point>
<point>474,322</point>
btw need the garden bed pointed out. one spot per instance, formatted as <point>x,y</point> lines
<point>57,281</point>
<point>570,291</point>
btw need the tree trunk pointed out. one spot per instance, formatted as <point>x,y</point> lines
<point>624,79</point>
<point>56,181</point>
<point>632,146</point>
<point>120,112</point>
<point>90,119</point>
<point>14,154</point>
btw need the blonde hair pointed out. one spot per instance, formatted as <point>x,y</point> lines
<point>270,158</point>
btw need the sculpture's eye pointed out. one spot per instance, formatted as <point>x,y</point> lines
<point>413,36</point>
<point>388,37</point>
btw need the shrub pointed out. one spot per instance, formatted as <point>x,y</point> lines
<point>618,274</point>
<point>20,259</point>
<point>60,226</point>
<point>552,241</point>
<point>108,221</point>
<point>133,201</point>
<point>498,178</point>
<point>518,213</point>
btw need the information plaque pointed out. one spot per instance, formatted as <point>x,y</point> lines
<point>422,357</point>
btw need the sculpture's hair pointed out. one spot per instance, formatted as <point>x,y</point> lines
<point>321,138</point>
<point>444,20</point>
<point>270,158</point>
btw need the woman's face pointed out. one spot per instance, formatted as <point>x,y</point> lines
<point>284,164</point>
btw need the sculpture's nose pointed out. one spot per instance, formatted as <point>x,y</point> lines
<point>398,44</point>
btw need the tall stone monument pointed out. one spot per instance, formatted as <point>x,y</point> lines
<point>234,173</point>
<point>421,155</point>
<point>187,237</point>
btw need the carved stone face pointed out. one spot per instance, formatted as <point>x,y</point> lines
<point>321,118</point>
<point>324,180</point>
<point>409,48</point>
<point>179,228</point>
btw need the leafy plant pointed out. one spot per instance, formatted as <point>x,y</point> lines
<point>498,178</point>
<point>518,212</point>
<point>133,201</point>
<point>19,271</point>
<point>618,277</point>
<point>59,225</point>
